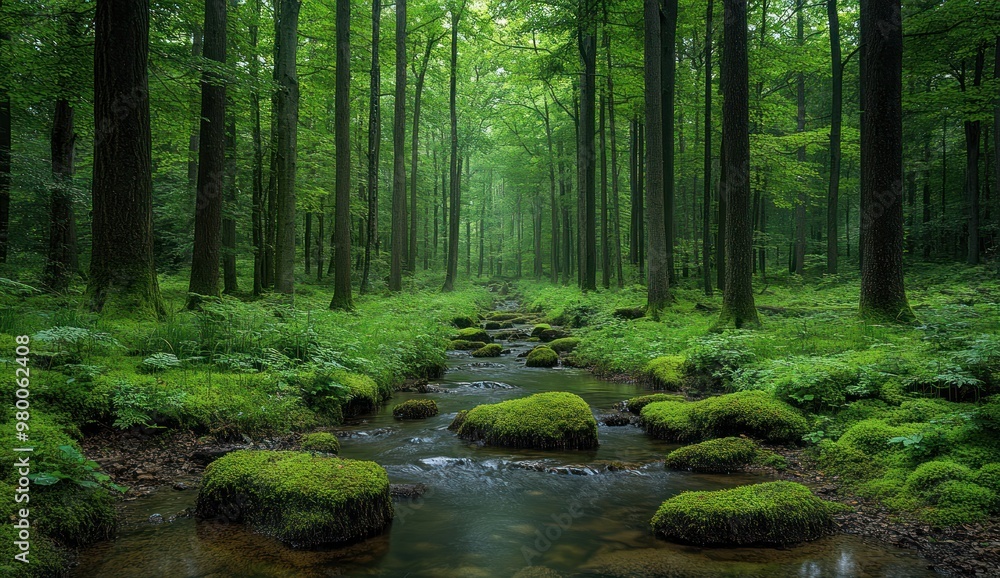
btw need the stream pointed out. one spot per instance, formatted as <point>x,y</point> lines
<point>489,511</point>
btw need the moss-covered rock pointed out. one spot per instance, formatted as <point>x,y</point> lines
<point>773,513</point>
<point>490,325</point>
<point>666,372</point>
<point>551,335</point>
<point>752,413</point>
<point>472,334</point>
<point>721,455</point>
<point>669,420</point>
<point>415,409</point>
<point>463,345</point>
<point>299,498</point>
<point>502,316</point>
<point>459,420</point>
<point>322,442</point>
<point>635,404</point>
<point>542,357</point>
<point>553,420</point>
<point>924,480</point>
<point>959,502</point>
<point>538,329</point>
<point>490,350</point>
<point>988,476</point>
<point>463,321</point>
<point>564,344</point>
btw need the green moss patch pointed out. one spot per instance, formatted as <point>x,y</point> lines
<point>752,413</point>
<point>463,321</point>
<point>323,442</point>
<point>472,334</point>
<point>415,409</point>
<point>564,344</point>
<point>714,456</point>
<point>635,404</point>
<point>490,350</point>
<point>553,420</point>
<point>542,357</point>
<point>539,329</point>
<point>299,498</point>
<point>666,372</point>
<point>773,513</point>
<point>463,345</point>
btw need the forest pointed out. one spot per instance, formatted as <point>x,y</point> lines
<point>542,289</point>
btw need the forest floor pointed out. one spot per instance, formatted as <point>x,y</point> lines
<point>151,402</point>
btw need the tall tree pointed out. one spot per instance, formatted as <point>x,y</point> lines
<point>374,145</point>
<point>288,120</point>
<point>615,202</point>
<point>257,177</point>
<point>836,120</point>
<point>738,309</point>
<point>706,214</point>
<point>61,261</point>
<point>342,136</point>
<point>122,273</point>
<point>668,80</point>
<point>421,74</point>
<point>973,136</point>
<point>453,175</point>
<point>229,283</point>
<point>5,150</point>
<point>883,296</point>
<point>799,260</point>
<point>400,240</point>
<point>658,282</point>
<point>211,160</point>
<point>587,43</point>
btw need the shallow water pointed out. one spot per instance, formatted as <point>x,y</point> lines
<point>489,511</point>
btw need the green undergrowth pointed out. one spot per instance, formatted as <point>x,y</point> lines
<point>752,413</point>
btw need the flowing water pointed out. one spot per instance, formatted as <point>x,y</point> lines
<point>490,511</point>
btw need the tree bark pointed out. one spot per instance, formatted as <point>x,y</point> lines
<point>658,282</point>
<point>706,210</point>
<point>720,241</point>
<point>5,150</point>
<point>288,120</point>
<point>800,154</point>
<point>400,239</point>
<point>836,120</point>
<point>257,186</point>
<point>229,284</point>
<point>738,309</point>
<point>973,136</point>
<point>342,135</point>
<point>552,193</point>
<point>585,149</point>
<point>374,146</point>
<point>605,246</point>
<point>61,260</point>
<point>454,190</point>
<point>883,296</point>
<point>414,140</point>
<point>615,202</point>
<point>668,70</point>
<point>122,273</point>
<point>197,48</point>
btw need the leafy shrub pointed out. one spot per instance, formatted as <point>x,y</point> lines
<point>72,344</point>
<point>721,455</point>
<point>988,476</point>
<point>719,355</point>
<point>323,442</point>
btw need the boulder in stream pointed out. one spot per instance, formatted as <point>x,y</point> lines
<point>542,357</point>
<point>301,499</point>
<point>415,409</point>
<point>552,420</point>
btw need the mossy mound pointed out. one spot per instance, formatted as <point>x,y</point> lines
<point>463,345</point>
<point>552,334</point>
<point>564,344</point>
<point>492,325</point>
<point>542,357</point>
<point>721,455</point>
<point>773,513</point>
<point>299,498</point>
<point>323,442</point>
<point>502,316</point>
<point>490,350</point>
<point>666,372</point>
<point>553,420</point>
<point>538,329</point>
<point>752,413</point>
<point>463,321</point>
<point>635,404</point>
<point>415,409</point>
<point>472,334</point>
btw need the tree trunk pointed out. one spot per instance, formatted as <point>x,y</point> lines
<point>658,284</point>
<point>257,186</point>
<point>706,209</point>
<point>605,246</point>
<point>996,118</point>
<point>566,236</point>
<point>61,262</point>
<point>883,297</point>
<point>342,135</point>
<point>455,191</point>
<point>585,149</point>
<point>720,241</point>
<point>398,257</point>
<point>973,136</point>
<point>288,120</point>
<point>668,68</point>
<point>552,193</point>
<point>374,146</point>
<point>229,284</point>
<point>800,155</point>
<point>738,309</point>
<point>307,245</point>
<point>122,273</point>
<point>414,140</point>
<point>197,49</point>
<point>615,202</point>
<point>320,238</point>
<point>5,148</point>
<point>836,120</point>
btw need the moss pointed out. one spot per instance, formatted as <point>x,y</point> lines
<point>463,321</point>
<point>415,409</point>
<point>752,413</point>
<point>721,455</point>
<point>988,476</point>
<point>491,350</point>
<point>871,436</point>
<point>463,345</point>
<point>668,420</point>
<point>459,420</point>
<point>564,344</point>
<point>299,498</point>
<point>635,404</point>
<point>542,357</point>
<point>773,513</point>
<point>45,560</point>
<point>924,480</point>
<point>553,420</point>
<point>922,410</point>
<point>959,502</point>
<point>323,442</point>
<point>472,334</point>
<point>666,372</point>
<point>501,316</point>
<point>539,329</point>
